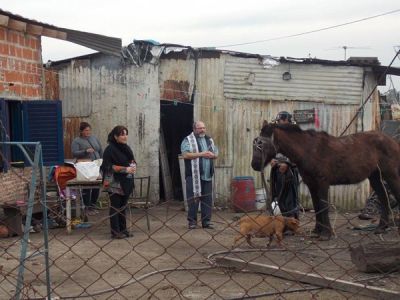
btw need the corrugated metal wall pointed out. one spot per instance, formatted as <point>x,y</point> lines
<point>176,79</point>
<point>247,78</point>
<point>104,93</point>
<point>235,121</point>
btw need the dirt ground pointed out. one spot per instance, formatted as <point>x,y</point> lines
<point>87,263</point>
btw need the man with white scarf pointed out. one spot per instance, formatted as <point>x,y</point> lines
<point>199,152</point>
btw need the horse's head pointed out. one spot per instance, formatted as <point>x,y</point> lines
<point>263,147</point>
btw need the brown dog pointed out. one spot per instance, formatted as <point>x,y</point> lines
<point>265,226</point>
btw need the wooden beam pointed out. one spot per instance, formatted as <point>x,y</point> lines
<point>165,171</point>
<point>17,25</point>
<point>4,20</point>
<point>50,33</point>
<point>34,29</point>
<point>310,278</point>
<point>382,257</point>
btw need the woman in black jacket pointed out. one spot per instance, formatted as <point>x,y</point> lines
<point>118,170</point>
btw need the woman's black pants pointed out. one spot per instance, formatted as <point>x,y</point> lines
<point>118,205</point>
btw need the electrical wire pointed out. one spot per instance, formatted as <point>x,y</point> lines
<point>310,31</point>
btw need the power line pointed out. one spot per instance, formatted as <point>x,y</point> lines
<point>311,31</point>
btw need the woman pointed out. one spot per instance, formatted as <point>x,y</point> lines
<point>118,168</point>
<point>87,147</point>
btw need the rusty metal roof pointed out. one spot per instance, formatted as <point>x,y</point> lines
<point>102,43</point>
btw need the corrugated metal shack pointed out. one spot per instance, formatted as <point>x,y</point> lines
<point>234,92</point>
<point>104,91</point>
<point>231,92</point>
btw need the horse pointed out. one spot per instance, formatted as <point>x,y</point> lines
<point>324,160</point>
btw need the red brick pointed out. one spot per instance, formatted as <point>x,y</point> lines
<point>33,43</point>
<point>36,55</point>
<point>3,62</point>
<point>4,49</point>
<point>16,89</point>
<point>18,52</point>
<point>27,54</point>
<point>12,50</point>
<point>32,92</point>
<point>3,34</point>
<point>12,76</point>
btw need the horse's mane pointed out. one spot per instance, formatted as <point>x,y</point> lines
<point>295,128</point>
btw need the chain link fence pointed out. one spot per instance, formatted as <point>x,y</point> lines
<point>169,261</point>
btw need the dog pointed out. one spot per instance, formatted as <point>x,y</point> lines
<point>265,226</point>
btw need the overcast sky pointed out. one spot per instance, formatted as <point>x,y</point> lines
<point>217,23</point>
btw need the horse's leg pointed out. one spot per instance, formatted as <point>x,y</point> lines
<point>318,224</point>
<point>377,185</point>
<point>326,227</point>
<point>319,195</point>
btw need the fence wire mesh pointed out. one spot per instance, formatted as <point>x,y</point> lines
<point>169,261</point>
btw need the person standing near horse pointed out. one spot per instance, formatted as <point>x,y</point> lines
<point>86,147</point>
<point>118,168</point>
<point>199,152</point>
<point>285,178</point>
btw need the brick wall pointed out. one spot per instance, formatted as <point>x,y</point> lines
<point>20,78</point>
<point>14,185</point>
<point>20,65</point>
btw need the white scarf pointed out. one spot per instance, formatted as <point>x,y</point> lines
<point>196,164</point>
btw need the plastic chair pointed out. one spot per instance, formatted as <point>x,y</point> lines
<point>140,197</point>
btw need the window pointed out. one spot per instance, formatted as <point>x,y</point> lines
<point>32,121</point>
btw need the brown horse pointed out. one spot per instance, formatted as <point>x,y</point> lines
<point>325,160</point>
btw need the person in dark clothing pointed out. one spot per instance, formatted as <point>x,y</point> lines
<point>118,169</point>
<point>373,206</point>
<point>87,147</point>
<point>285,178</point>
<point>199,152</point>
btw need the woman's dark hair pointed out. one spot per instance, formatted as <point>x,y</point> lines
<point>83,126</point>
<point>117,131</point>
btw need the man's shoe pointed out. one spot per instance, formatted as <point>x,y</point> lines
<point>208,226</point>
<point>192,226</point>
<point>117,236</point>
<point>127,234</point>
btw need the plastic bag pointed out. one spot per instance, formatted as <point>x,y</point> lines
<point>87,170</point>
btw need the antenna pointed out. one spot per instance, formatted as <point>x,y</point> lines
<point>345,48</point>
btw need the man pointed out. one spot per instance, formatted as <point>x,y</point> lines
<point>199,152</point>
<point>285,178</point>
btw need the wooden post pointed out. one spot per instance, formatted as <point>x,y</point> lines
<point>310,278</point>
<point>382,257</point>
<point>165,172</point>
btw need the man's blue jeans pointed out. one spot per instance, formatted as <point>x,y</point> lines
<point>193,203</point>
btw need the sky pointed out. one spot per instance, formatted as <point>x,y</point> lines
<point>222,23</point>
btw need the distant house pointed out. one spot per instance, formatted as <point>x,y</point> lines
<point>163,88</point>
<point>26,114</point>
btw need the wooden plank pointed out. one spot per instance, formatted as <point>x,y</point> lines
<point>310,278</point>
<point>380,257</point>
<point>165,171</point>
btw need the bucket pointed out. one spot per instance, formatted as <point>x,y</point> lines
<point>261,199</point>
<point>243,194</point>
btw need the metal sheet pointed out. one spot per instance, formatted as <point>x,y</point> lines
<point>247,78</point>
<point>102,93</point>
<point>233,124</point>
<point>176,79</point>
